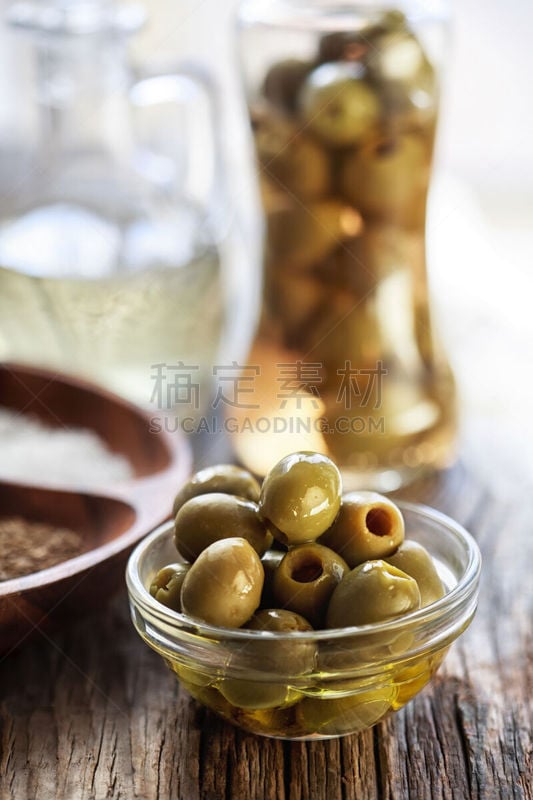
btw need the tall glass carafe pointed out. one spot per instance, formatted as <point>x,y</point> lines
<point>343,102</point>
<point>110,261</point>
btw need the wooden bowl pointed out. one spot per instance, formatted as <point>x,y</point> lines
<point>110,519</point>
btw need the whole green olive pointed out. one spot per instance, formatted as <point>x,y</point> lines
<point>166,585</point>
<point>387,179</point>
<point>207,518</point>
<point>223,586</point>
<point>368,526</point>
<point>338,105</point>
<point>413,559</point>
<point>306,578</point>
<point>225,478</point>
<point>372,592</point>
<point>301,496</point>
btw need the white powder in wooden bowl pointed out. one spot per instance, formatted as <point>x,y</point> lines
<point>34,453</point>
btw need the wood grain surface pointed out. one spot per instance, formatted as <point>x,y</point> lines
<point>93,713</point>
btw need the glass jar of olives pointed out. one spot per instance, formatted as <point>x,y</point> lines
<point>343,103</point>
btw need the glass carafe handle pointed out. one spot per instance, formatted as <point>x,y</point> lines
<point>177,124</point>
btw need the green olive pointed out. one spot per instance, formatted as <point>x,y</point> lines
<point>225,478</point>
<point>306,578</point>
<point>368,526</point>
<point>343,46</point>
<point>380,251</point>
<point>412,558</point>
<point>167,583</point>
<point>301,496</point>
<point>351,327</point>
<point>372,592</point>
<point>358,45</point>
<point>293,161</point>
<point>270,561</point>
<point>207,518</point>
<point>252,694</point>
<point>412,678</point>
<point>299,237</point>
<point>280,620</point>
<point>223,586</point>
<point>275,658</point>
<point>398,57</point>
<point>293,300</point>
<point>189,676</point>
<point>346,269</point>
<point>338,105</point>
<point>387,179</point>
<point>283,83</point>
<point>351,714</point>
<point>209,696</point>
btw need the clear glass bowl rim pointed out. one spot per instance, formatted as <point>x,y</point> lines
<point>444,608</point>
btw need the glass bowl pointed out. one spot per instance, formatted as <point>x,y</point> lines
<point>317,685</point>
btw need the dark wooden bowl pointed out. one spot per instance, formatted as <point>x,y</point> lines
<point>110,519</point>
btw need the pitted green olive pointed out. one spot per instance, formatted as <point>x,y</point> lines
<point>338,105</point>
<point>368,526</point>
<point>306,578</point>
<point>207,518</point>
<point>225,478</point>
<point>412,558</point>
<point>372,592</point>
<point>166,585</point>
<point>223,586</point>
<point>301,497</point>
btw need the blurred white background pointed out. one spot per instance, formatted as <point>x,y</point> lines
<point>481,220</point>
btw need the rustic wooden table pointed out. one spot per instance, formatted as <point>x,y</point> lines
<point>93,713</point>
